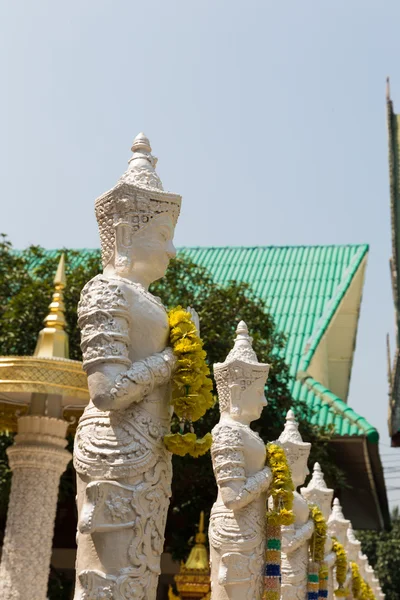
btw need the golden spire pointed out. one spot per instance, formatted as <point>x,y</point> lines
<point>53,339</point>
<point>198,557</point>
<point>193,580</point>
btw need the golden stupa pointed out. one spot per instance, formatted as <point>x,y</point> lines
<point>193,580</point>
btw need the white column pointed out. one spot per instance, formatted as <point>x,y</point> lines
<point>37,459</point>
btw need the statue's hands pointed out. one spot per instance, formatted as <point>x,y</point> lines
<point>195,318</point>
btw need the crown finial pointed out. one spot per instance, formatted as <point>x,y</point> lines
<point>317,492</point>
<point>53,339</point>
<point>387,88</point>
<point>337,524</point>
<point>243,346</point>
<point>141,142</point>
<point>291,431</point>
<point>141,166</point>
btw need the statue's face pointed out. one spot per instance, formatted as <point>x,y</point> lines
<point>299,468</point>
<point>145,254</point>
<point>251,401</point>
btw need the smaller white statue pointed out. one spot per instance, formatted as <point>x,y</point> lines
<point>338,527</point>
<point>295,538</point>
<point>318,493</point>
<point>238,517</point>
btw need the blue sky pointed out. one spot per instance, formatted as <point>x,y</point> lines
<point>269,119</point>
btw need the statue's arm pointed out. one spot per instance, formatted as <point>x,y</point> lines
<point>112,387</point>
<point>294,537</point>
<point>114,380</point>
<point>237,490</point>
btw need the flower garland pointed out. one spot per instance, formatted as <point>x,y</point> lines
<point>341,568</point>
<point>281,488</point>
<point>366,591</point>
<point>355,580</point>
<point>317,550</point>
<point>191,384</point>
<point>281,491</point>
<point>318,538</point>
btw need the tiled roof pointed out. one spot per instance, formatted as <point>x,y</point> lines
<point>303,287</point>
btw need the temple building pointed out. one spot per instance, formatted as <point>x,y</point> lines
<point>394,178</point>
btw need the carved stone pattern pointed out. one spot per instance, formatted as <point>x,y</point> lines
<point>117,444</point>
<point>104,320</point>
<point>236,536</point>
<point>30,524</point>
<point>143,178</point>
<point>227,454</point>
<point>146,502</point>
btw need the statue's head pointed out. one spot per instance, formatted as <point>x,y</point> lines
<point>317,492</point>
<point>337,524</point>
<point>241,380</point>
<point>297,451</point>
<point>137,219</point>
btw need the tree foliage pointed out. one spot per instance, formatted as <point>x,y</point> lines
<point>26,286</point>
<point>383,551</point>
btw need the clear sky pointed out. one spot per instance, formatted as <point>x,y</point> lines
<point>268,117</point>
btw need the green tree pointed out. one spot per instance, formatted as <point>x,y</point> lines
<point>383,551</point>
<point>26,286</point>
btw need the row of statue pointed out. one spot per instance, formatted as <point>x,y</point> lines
<point>123,466</point>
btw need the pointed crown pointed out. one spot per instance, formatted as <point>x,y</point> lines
<point>240,367</point>
<point>337,524</point>
<point>291,440</point>
<point>317,492</point>
<point>135,200</point>
<point>353,544</point>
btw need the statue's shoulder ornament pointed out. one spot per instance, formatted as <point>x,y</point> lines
<point>103,317</point>
<point>227,453</point>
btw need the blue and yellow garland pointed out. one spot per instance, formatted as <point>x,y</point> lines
<point>281,491</point>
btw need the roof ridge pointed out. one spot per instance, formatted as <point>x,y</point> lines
<point>258,247</point>
<point>339,406</point>
<point>261,247</point>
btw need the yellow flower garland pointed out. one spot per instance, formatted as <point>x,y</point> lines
<point>281,488</point>
<point>341,568</point>
<point>318,538</point>
<point>355,580</point>
<point>191,384</point>
<point>366,591</point>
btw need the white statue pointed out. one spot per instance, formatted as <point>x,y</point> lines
<point>338,527</point>
<point>124,470</point>
<point>295,538</point>
<point>318,493</point>
<point>353,550</point>
<point>238,517</point>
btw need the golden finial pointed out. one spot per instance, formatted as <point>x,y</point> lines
<point>53,339</point>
